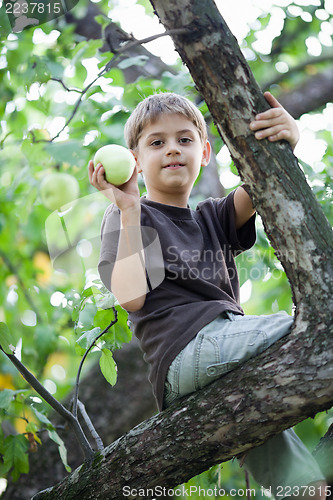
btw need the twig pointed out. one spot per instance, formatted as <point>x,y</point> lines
<point>247,482</point>
<point>130,44</point>
<point>55,404</point>
<point>76,394</point>
<point>65,87</point>
<point>90,425</point>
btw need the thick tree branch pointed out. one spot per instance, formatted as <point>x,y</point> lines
<point>226,418</point>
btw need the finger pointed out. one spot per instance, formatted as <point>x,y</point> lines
<point>90,170</point>
<point>270,114</point>
<point>262,134</point>
<point>265,123</point>
<point>271,100</point>
<point>283,134</point>
<point>97,176</point>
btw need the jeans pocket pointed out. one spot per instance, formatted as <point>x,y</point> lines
<point>207,354</point>
<point>169,395</point>
<point>218,369</point>
<point>236,348</point>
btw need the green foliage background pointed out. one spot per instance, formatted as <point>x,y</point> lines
<point>49,305</point>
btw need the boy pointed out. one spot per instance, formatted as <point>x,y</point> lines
<point>189,320</point>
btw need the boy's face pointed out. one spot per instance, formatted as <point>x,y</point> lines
<point>170,154</point>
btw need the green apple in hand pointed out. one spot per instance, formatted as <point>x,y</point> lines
<point>57,189</point>
<point>118,163</point>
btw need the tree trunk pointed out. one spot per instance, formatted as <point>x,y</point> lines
<point>294,378</point>
<point>293,219</point>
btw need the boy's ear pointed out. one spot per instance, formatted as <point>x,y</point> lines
<point>135,154</point>
<point>206,154</point>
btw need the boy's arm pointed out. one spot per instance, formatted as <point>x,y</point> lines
<point>243,207</point>
<point>274,124</point>
<point>128,279</point>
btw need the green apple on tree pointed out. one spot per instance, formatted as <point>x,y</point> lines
<point>118,163</point>
<point>58,189</point>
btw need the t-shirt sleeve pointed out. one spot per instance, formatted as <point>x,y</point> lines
<point>241,239</point>
<point>110,229</point>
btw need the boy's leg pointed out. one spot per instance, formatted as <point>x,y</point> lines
<point>221,346</point>
<point>286,468</point>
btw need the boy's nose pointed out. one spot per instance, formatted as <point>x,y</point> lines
<point>173,148</point>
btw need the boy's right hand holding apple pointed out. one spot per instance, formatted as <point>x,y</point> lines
<point>126,196</point>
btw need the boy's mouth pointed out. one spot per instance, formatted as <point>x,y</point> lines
<point>174,166</point>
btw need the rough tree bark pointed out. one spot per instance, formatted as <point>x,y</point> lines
<point>294,378</point>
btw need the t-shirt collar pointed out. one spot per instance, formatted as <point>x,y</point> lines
<point>169,210</point>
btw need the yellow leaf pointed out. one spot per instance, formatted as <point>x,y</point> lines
<point>41,261</point>
<point>6,381</point>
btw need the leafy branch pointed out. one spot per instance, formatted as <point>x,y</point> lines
<point>70,416</point>
<point>94,343</point>
<point>128,45</point>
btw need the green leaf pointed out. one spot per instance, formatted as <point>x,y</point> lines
<point>5,338</point>
<point>15,450</point>
<point>88,292</point>
<point>61,446</point>
<point>103,318</point>
<point>46,340</point>
<point>88,338</point>
<point>37,70</point>
<point>41,417</point>
<point>6,397</point>
<point>118,79</point>
<point>65,152</point>
<point>106,302</point>
<point>133,61</point>
<point>108,366</point>
<point>102,20</point>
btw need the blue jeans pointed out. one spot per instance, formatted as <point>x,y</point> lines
<point>283,461</point>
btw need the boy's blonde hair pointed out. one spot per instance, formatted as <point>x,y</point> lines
<point>151,108</point>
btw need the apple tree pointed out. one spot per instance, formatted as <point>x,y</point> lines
<point>66,91</point>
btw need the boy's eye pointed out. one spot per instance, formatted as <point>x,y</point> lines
<point>158,142</point>
<point>184,140</point>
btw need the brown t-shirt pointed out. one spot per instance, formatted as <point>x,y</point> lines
<point>191,271</point>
